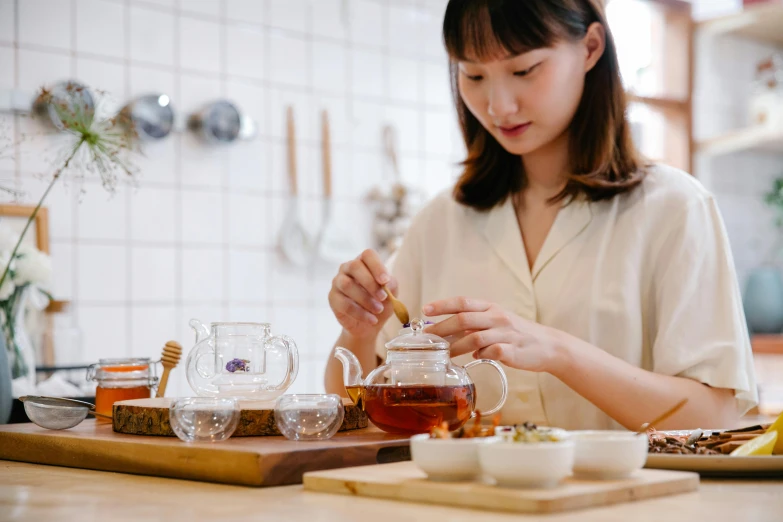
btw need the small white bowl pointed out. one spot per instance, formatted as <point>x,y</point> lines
<point>448,459</point>
<point>527,464</point>
<point>609,454</point>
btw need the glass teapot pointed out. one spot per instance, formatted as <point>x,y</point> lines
<point>233,360</point>
<point>419,387</point>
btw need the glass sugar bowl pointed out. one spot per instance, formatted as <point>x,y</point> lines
<point>204,419</point>
<point>121,380</point>
<point>309,417</point>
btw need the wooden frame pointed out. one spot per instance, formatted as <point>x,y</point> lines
<point>41,222</point>
<point>39,236</point>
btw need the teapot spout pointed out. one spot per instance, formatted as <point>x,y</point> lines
<point>352,374</point>
<point>352,369</point>
<point>201,330</point>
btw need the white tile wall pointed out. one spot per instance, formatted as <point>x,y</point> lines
<point>204,7</point>
<point>199,45</point>
<point>248,11</point>
<point>288,62</point>
<point>245,51</point>
<point>7,21</point>
<point>152,35</point>
<point>367,22</point>
<point>329,18</point>
<point>100,28</point>
<point>46,22</point>
<point>6,67</point>
<point>196,235</point>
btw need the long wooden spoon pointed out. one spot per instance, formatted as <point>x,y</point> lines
<point>671,411</point>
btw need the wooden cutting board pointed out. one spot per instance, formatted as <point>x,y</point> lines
<point>404,481</point>
<point>151,417</point>
<point>248,461</point>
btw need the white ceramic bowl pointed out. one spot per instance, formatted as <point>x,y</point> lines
<point>608,454</point>
<point>507,432</point>
<point>527,464</point>
<point>448,459</point>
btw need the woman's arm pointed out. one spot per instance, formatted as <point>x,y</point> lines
<point>633,396</point>
<point>629,395</point>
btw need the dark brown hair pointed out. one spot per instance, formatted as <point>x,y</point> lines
<point>603,159</point>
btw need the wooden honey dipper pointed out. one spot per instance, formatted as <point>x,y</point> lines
<point>170,358</point>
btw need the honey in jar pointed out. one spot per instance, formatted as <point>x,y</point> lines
<point>121,380</point>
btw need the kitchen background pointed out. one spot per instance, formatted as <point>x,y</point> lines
<point>197,235</point>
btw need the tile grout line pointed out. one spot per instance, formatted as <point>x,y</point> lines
<point>225,198</point>
<point>273,257</point>
<point>179,310</point>
<point>128,212</point>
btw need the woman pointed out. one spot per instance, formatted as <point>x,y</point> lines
<point>605,285</point>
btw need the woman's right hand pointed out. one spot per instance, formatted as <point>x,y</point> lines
<point>357,299</point>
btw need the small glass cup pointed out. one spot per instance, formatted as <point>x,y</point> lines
<point>204,419</point>
<point>309,417</point>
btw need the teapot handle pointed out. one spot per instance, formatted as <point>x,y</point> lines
<point>200,376</point>
<point>293,360</point>
<point>503,382</point>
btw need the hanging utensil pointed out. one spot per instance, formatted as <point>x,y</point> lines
<point>295,242</point>
<point>390,150</point>
<point>334,242</point>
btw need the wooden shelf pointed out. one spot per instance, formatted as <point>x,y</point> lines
<point>660,102</point>
<point>762,23</point>
<point>750,139</point>
<point>767,344</point>
<point>56,307</point>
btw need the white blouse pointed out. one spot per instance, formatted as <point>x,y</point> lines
<point>647,276</point>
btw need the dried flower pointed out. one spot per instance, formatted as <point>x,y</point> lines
<point>408,325</point>
<point>94,144</point>
<point>238,365</point>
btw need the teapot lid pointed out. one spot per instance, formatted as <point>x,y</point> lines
<point>413,338</point>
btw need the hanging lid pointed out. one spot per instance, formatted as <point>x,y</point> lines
<point>413,338</point>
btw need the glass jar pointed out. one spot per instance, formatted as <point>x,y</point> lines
<point>121,380</point>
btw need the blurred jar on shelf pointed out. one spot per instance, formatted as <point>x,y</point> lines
<point>766,106</point>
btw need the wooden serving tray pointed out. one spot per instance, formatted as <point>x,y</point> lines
<point>404,481</point>
<point>257,418</point>
<point>248,461</point>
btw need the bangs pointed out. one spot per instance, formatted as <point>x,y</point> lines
<point>486,30</point>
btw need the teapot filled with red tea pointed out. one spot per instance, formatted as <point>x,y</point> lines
<point>418,387</point>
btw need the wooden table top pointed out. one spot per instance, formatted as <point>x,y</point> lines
<point>32,492</point>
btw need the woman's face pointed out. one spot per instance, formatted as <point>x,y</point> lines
<point>527,101</point>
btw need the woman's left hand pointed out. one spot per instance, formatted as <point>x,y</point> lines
<point>491,332</point>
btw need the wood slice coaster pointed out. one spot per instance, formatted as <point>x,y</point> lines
<point>257,418</point>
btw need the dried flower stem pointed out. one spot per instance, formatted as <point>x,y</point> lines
<point>55,177</point>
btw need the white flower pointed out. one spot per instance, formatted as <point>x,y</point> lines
<point>32,266</point>
<point>7,288</point>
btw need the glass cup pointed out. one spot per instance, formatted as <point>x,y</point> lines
<point>309,417</point>
<point>204,419</point>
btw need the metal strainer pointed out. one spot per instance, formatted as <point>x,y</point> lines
<point>56,413</point>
